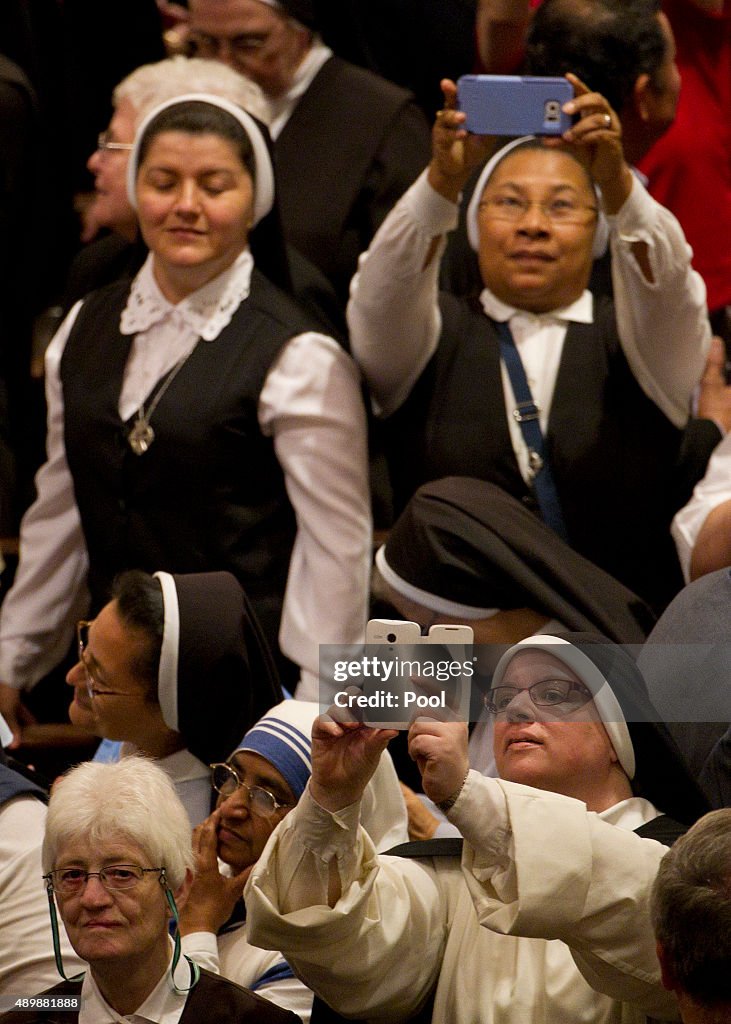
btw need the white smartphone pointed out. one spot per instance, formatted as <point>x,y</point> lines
<point>392,631</point>
<point>406,679</point>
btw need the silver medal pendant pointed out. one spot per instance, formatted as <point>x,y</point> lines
<point>141,437</point>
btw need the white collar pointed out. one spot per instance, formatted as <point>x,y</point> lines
<point>631,813</point>
<point>309,66</point>
<point>205,311</point>
<point>163,1005</point>
<point>280,107</point>
<point>182,766</point>
<point>580,311</point>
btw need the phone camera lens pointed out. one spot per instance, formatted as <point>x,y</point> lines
<point>552,112</point>
<point>391,637</point>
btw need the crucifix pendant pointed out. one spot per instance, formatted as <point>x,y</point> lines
<point>141,437</point>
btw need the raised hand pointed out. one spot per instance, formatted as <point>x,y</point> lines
<point>455,151</point>
<point>345,754</point>
<point>440,751</point>
<point>212,896</point>
<point>422,823</point>
<point>598,134</point>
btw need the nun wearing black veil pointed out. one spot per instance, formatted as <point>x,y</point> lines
<point>465,551</point>
<point>175,667</point>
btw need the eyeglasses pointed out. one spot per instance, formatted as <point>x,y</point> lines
<point>82,640</point>
<point>72,881</point>
<point>104,144</point>
<point>226,780</point>
<point>200,44</point>
<point>514,208</point>
<point>92,684</point>
<point>562,694</point>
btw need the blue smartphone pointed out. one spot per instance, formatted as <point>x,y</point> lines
<point>514,104</point>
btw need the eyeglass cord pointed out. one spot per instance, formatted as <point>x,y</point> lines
<point>195,971</point>
<point>56,940</point>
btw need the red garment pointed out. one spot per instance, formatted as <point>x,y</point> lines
<point>689,168</point>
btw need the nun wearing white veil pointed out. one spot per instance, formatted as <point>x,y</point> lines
<point>198,419</point>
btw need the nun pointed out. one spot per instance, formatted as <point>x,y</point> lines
<point>572,401</point>
<point>465,551</point>
<point>582,677</point>
<point>175,667</point>
<point>256,787</point>
<point>583,765</point>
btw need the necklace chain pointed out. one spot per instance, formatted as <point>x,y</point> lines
<point>141,434</point>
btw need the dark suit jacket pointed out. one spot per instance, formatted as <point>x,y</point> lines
<point>353,144</point>
<point>212,999</point>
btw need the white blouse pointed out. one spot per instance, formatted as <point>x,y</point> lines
<point>310,405</point>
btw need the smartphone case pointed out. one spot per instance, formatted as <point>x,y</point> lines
<point>514,104</point>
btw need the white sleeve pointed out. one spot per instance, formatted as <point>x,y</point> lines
<point>663,323</point>
<point>312,406</point>
<point>713,490</point>
<point>289,993</point>
<point>539,865</point>
<point>244,964</point>
<point>202,947</point>
<point>393,313</point>
<point>49,591</point>
<point>361,952</point>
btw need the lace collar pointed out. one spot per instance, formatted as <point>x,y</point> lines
<point>206,311</point>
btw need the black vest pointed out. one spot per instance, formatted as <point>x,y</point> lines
<point>209,493</point>
<point>613,452</point>
<point>352,145</point>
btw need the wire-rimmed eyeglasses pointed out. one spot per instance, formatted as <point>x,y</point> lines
<point>564,695</point>
<point>558,210</point>
<point>105,145</point>
<point>226,780</point>
<point>71,881</point>
<point>92,684</point>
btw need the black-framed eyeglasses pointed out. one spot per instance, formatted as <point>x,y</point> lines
<point>226,780</point>
<point>105,145</point>
<point>562,694</point>
<point>71,881</point>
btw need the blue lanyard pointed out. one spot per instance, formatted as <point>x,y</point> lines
<point>526,414</point>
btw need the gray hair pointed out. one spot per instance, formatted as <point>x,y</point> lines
<point>133,799</point>
<point>152,84</point>
<point>691,910</point>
